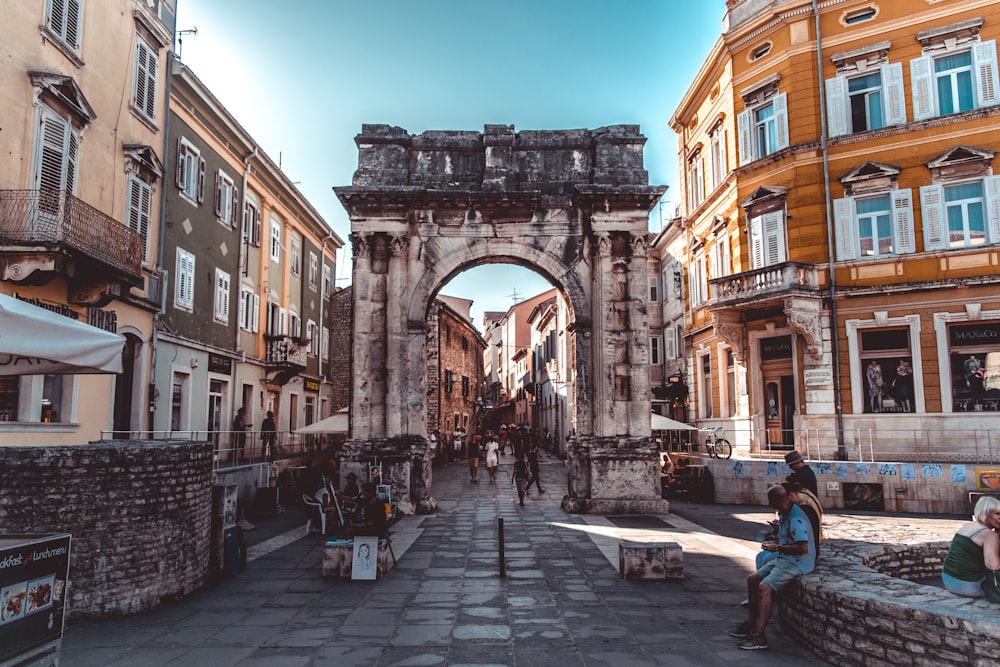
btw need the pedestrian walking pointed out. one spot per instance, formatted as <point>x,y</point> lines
<point>520,478</point>
<point>472,454</point>
<point>492,456</point>
<point>268,433</point>
<point>533,470</point>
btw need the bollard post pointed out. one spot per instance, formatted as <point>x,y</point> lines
<point>503,565</point>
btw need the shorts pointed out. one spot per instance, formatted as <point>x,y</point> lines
<point>969,589</point>
<point>778,573</point>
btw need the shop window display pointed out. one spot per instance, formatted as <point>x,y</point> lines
<point>888,371</point>
<point>975,367</point>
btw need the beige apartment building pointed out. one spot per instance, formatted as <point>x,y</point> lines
<point>839,228</point>
<point>82,89</point>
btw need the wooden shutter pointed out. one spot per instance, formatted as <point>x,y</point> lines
<point>774,238</point>
<point>181,163</point>
<point>244,313</point>
<point>846,228</point>
<point>893,97</point>
<point>201,180</point>
<point>984,54</point>
<point>836,106</point>
<point>221,296</point>
<point>743,122</point>
<point>52,149</point>
<point>140,198</point>
<point>184,292</point>
<point>781,121</point>
<point>670,343</point>
<point>233,207</point>
<point>218,195</point>
<point>991,185</point>
<point>757,242</point>
<point>144,86</point>
<point>921,79</point>
<point>255,314</point>
<point>902,220</point>
<point>932,216</point>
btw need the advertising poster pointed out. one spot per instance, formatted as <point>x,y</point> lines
<point>33,575</point>
<point>988,479</point>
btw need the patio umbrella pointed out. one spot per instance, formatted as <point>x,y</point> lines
<point>336,423</point>
<point>661,423</point>
<point>35,341</point>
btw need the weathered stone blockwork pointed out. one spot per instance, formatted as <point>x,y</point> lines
<point>139,514</point>
<point>852,612</point>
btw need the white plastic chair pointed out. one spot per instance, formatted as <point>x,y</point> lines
<point>310,501</point>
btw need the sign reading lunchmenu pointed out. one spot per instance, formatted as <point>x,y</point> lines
<point>33,575</point>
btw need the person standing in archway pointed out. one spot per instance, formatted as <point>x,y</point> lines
<point>268,433</point>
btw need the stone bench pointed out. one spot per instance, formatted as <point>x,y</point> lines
<point>338,559</point>
<point>859,607</point>
<point>650,560</point>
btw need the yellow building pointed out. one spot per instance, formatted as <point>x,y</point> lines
<point>843,228</point>
<point>81,177</point>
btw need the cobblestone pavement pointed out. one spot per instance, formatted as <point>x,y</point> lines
<point>562,601</point>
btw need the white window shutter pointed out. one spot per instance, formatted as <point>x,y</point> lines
<point>244,307</point>
<point>670,343</point>
<point>932,216</point>
<point>745,138</point>
<point>836,106</point>
<point>845,225</point>
<point>255,314</point>
<point>774,237</point>
<point>992,188</point>
<point>902,220</point>
<point>781,121</point>
<point>921,78</point>
<point>987,89</point>
<point>73,23</point>
<point>221,296</point>
<point>757,242</point>
<point>893,97</point>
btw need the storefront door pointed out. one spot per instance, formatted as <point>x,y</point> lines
<point>779,408</point>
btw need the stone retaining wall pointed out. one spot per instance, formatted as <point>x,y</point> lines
<point>139,514</point>
<point>854,610</point>
<point>925,488</point>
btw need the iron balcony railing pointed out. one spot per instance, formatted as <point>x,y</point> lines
<point>284,351</point>
<point>60,221</point>
<point>763,283</point>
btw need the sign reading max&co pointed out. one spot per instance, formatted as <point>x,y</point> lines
<point>986,333</point>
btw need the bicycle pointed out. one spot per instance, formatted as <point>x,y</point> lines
<point>716,445</point>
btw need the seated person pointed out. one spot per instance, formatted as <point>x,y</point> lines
<point>373,519</point>
<point>974,551</point>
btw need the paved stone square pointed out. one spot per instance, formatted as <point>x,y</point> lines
<point>561,603</point>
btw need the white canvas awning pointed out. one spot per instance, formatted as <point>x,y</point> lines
<point>661,423</point>
<point>34,341</point>
<point>336,423</point>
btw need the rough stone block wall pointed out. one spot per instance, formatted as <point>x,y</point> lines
<point>139,514</point>
<point>341,322</point>
<point>851,612</point>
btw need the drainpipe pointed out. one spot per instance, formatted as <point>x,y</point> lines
<point>834,335</point>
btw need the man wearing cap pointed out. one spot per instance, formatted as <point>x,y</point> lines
<point>801,472</point>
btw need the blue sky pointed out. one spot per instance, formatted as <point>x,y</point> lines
<point>302,76</point>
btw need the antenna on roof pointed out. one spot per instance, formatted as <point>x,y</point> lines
<point>514,296</point>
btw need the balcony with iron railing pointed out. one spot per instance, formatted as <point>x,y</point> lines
<point>55,222</point>
<point>760,286</point>
<point>285,358</point>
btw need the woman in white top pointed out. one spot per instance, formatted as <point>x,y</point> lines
<point>492,455</point>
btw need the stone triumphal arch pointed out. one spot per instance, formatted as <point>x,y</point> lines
<point>572,205</point>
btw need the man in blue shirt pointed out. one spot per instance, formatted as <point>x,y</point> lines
<point>795,556</point>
